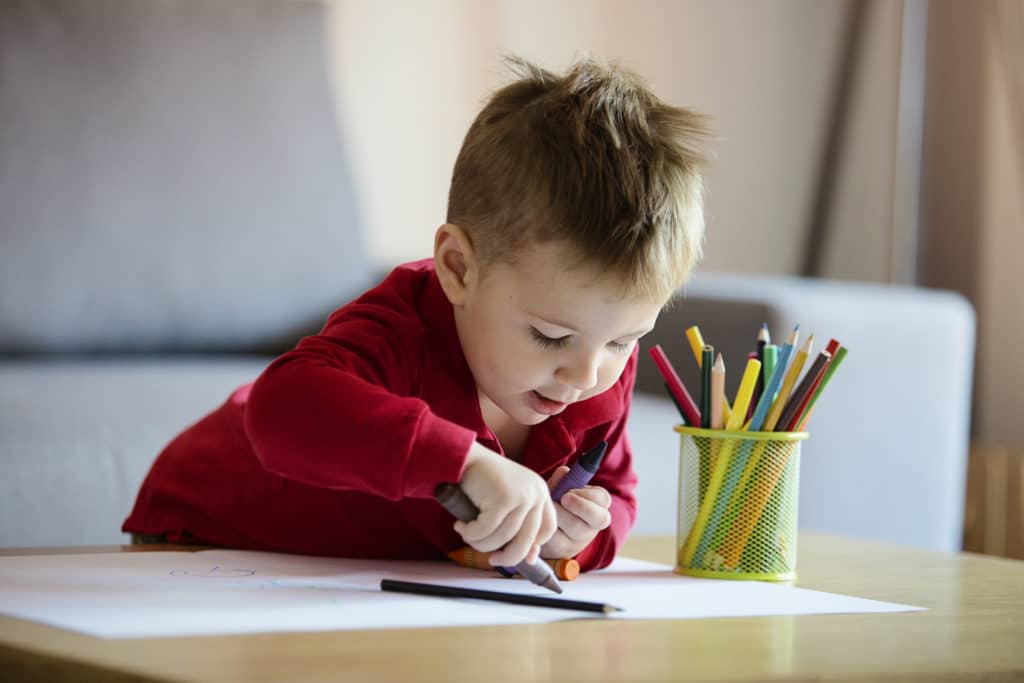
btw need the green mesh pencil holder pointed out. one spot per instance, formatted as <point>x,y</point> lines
<point>738,494</point>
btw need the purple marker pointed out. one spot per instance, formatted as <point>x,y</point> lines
<point>581,473</point>
<point>576,478</point>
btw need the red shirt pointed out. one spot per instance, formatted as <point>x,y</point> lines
<point>338,445</point>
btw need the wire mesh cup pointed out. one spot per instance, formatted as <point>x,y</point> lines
<point>738,494</point>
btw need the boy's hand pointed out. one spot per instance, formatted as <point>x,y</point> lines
<point>516,512</point>
<point>582,513</point>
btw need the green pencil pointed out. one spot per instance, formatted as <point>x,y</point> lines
<point>829,371</point>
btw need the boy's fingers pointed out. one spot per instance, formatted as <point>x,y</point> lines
<point>556,477</point>
<point>572,526</point>
<point>596,494</point>
<point>525,538</point>
<point>549,523</point>
<point>485,525</point>
<point>594,516</point>
<point>506,532</point>
<point>534,553</point>
<point>560,545</point>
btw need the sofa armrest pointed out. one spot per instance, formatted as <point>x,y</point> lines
<point>887,454</point>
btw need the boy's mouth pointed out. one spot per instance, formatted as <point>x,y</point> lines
<point>544,405</point>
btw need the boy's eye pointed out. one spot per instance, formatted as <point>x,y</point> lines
<point>620,346</point>
<point>546,341</point>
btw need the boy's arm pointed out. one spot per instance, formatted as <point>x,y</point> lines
<point>615,475</point>
<point>335,412</point>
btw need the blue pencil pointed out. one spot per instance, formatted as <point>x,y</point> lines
<point>739,462</point>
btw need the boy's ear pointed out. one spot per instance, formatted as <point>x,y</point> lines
<point>455,262</point>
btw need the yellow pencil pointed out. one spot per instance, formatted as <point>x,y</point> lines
<point>739,492</point>
<point>755,503</point>
<point>787,385</point>
<point>735,423</point>
<point>696,340</point>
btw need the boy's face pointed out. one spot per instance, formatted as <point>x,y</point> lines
<point>539,335</point>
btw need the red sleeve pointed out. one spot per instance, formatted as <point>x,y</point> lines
<point>339,410</point>
<point>616,475</point>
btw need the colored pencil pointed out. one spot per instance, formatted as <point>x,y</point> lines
<point>696,340</point>
<point>718,393</point>
<point>435,590</point>
<point>804,389</point>
<point>676,386</point>
<point>771,359</point>
<point>748,456</point>
<point>757,499</point>
<point>739,409</point>
<point>754,504</point>
<point>763,337</point>
<point>750,406</point>
<point>750,452</point>
<point>802,396</point>
<point>787,386</point>
<point>707,361</point>
<point>832,346</point>
<point>837,360</point>
<point>717,417</point>
<point>773,384</point>
<point>682,415</point>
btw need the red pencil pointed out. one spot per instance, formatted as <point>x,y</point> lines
<point>801,409</point>
<point>798,402</point>
<point>833,346</point>
<point>675,385</point>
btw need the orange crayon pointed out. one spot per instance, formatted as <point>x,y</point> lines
<point>468,557</point>
<point>565,568</point>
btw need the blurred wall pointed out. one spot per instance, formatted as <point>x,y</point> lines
<point>973,191</point>
<point>411,76</point>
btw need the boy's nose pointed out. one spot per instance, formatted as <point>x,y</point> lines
<point>581,373</point>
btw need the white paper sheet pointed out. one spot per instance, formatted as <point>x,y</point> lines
<point>130,595</point>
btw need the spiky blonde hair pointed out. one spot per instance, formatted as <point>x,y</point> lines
<point>591,157</point>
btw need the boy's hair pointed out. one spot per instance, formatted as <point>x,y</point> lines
<point>592,158</point>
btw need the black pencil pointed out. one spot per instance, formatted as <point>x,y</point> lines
<point>457,592</point>
<point>707,361</point>
<point>676,402</point>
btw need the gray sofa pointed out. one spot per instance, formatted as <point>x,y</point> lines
<point>172,218</point>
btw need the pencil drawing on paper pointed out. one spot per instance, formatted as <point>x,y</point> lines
<point>217,572</point>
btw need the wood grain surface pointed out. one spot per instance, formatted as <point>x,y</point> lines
<point>973,630</point>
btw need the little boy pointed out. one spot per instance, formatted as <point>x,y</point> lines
<point>574,213</point>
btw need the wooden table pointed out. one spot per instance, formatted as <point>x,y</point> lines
<point>973,630</point>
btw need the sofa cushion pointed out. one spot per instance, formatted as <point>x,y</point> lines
<point>171,178</point>
<point>78,436</point>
